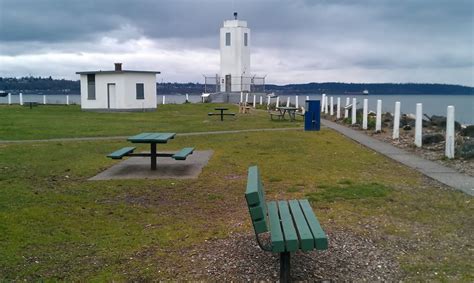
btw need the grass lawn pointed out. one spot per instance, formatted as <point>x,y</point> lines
<point>56,225</point>
<point>59,121</point>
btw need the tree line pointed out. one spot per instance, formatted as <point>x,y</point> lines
<point>57,86</point>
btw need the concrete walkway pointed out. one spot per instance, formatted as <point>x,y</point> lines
<point>431,169</point>
<point>125,137</point>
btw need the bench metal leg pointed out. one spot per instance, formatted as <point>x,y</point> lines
<point>285,267</point>
<point>153,155</point>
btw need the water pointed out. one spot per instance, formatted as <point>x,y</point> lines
<point>432,104</point>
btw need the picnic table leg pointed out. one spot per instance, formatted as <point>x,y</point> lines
<point>285,267</point>
<point>222,115</point>
<point>153,155</point>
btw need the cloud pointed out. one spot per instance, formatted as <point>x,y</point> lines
<point>292,40</point>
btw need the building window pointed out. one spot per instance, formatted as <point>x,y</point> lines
<point>246,38</point>
<point>227,38</point>
<point>91,86</point>
<point>140,91</point>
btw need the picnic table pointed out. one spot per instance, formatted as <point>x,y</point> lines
<point>221,109</point>
<point>152,139</point>
<point>31,104</point>
<point>290,110</point>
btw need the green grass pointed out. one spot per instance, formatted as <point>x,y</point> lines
<point>351,192</point>
<point>45,122</point>
<point>57,225</point>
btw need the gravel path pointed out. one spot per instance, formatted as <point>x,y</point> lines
<point>349,258</point>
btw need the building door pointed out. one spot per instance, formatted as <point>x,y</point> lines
<point>111,96</point>
<point>228,83</point>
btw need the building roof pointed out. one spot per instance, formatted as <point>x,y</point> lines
<point>116,72</point>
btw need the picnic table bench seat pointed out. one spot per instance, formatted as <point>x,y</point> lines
<point>291,225</point>
<point>183,153</point>
<point>118,154</point>
<point>276,114</point>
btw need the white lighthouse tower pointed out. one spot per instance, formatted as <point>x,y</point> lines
<point>235,56</point>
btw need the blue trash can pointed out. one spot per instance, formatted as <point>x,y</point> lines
<point>312,116</point>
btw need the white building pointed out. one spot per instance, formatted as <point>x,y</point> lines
<point>235,56</point>
<point>118,90</point>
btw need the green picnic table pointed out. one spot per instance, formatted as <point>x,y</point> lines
<point>290,110</point>
<point>152,139</point>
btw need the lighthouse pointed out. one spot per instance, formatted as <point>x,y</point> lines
<point>235,56</point>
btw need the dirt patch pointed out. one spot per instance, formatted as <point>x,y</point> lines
<point>349,257</point>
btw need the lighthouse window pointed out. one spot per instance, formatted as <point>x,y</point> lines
<point>246,39</point>
<point>227,38</point>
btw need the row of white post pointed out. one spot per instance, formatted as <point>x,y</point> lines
<point>450,133</point>
<point>245,99</point>
<point>44,99</point>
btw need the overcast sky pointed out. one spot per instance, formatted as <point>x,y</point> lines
<point>293,41</point>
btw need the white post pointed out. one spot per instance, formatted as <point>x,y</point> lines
<point>450,132</point>
<point>21,98</point>
<point>246,98</point>
<point>268,100</point>
<point>164,100</point>
<point>346,111</point>
<point>378,122</point>
<point>338,109</point>
<point>254,101</point>
<point>187,98</point>
<point>44,99</point>
<point>307,97</point>
<point>364,114</point>
<point>241,97</point>
<point>326,105</point>
<point>261,100</point>
<point>331,110</point>
<point>288,101</point>
<point>396,121</point>
<point>67,99</point>
<point>418,125</point>
<point>322,102</point>
<point>278,102</point>
<point>354,110</point>
<point>296,101</point>
<point>9,99</point>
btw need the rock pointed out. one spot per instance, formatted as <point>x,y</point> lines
<point>468,131</point>
<point>407,127</point>
<point>432,138</point>
<point>387,117</point>
<point>440,121</point>
<point>466,150</point>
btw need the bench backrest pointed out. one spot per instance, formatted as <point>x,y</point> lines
<point>256,200</point>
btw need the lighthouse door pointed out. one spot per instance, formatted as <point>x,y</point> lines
<point>228,83</point>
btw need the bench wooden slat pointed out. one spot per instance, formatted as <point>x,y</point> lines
<point>256,200</point>
<point>305,236</point>
<point>278,243</point>
<point>321,240</point>
<point>260,226</point>
<point>256,212</point>
<point>118,154</point>
<point>289,232</point>
<point>183,153</point>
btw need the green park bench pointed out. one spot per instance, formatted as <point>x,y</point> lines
<point>291,225</point>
